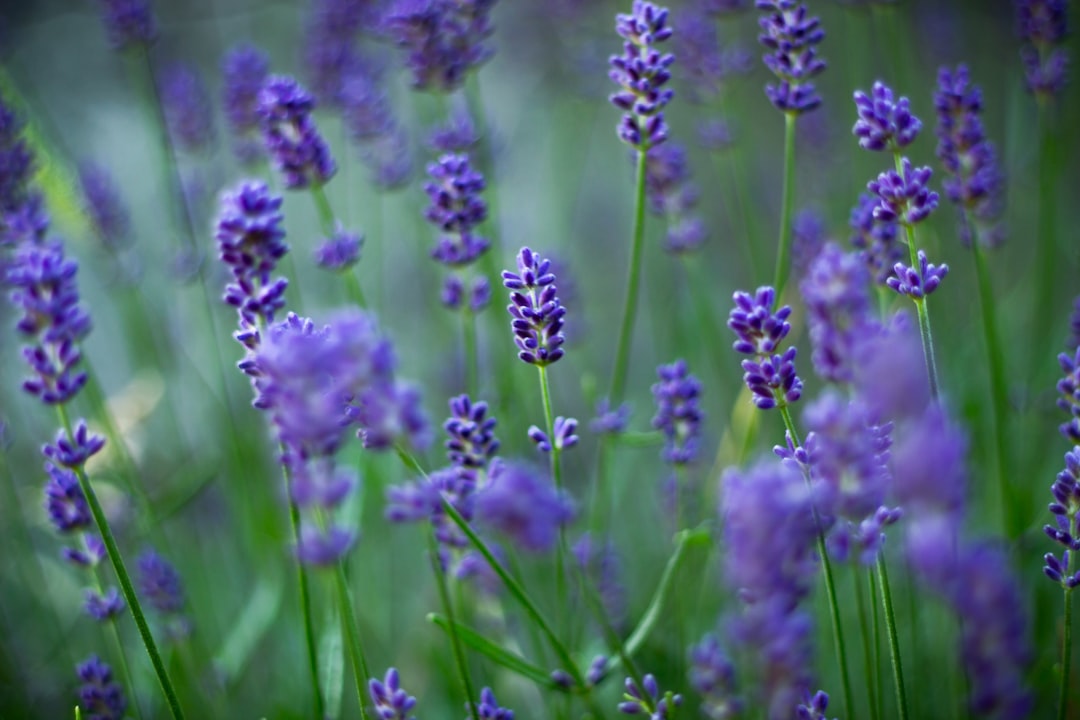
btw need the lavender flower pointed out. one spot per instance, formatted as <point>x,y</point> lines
<point>16,162</point>
<point>244,70</point>
<point>65,502</point>
<point>791,39</point>
<point>721,8</point>
<point>759,330</point>
<point>917,284</point>
<point>489,708</point>
<point>564,436</point>
<point>1065,529</point>
<point>188,111</point>
<point>391,702</point>
<point>1042,26</point>
<point>928,464</point>
<point>647,700</point>
<point>714,134</point>
<point>160,584</point>
<point>601,563</point>
<point>389,159</point>
<point>808,237</point>
<point>74,451</point>
<point>456,209</point>
<point>712,676</point>
<point>874,239</point>
<point>128,22</point>
<point>523,504</point>
<point>704,64</point>
<point>471,442</point>
<point>329,51</point>
<point>104,606</point>
<point>339,252</point>
<point>672,194</point>
<point>678,415</point>
<point>99,697</point>
<point>904,198</point>
<point>814,708</point>
<point>976,183</point>
<point>772,380</point>
<point>889,376</point>
<point>535,308</point>
<point>838,310</point>
<point>422,501</point>
<point>365,107</point>
<point>641,72</point>
<point>610,421</point>
<point>884,124</point>
<point>443,39</point>
<point>103,205</point>
<point>457,135</point>
<point>293,142</point>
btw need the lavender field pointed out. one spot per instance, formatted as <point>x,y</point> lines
<point>539,359</point>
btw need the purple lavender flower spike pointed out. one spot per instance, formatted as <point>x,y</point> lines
<point>678,415</point>
<point>391,702</point>
<point>340,251</point>
<point>1065,529</point>
<point>917,284</point>
<point>458,135</point>
<point>610,421</point>
<point>471,442</point>
<point>714,134</point>
<point>641,73</point>
<point>564,435</point>
<point>712,675</point>
<point>160,584</point>
<point>975,182</point>
<point>293,142</point>
<point>647,699</point>
<point>773,380</point>
<point>489,708</point>
<point>17,164</point>
<point>74,452</point>
<point>103,205</point>
<point>128,22</point>
<point>597,670</point>
<point>928,464</point>
<point>874,239</point>
<point>905,198</point>
<point>889,376</point>
<point>244,70</point>
<point>601,563</point>
<point>884,124</point>
<point>536,310</point>
<point>188,111</point>
<point>814,708</point>
<point>1042,26</point>
<point>456,209</point>
<point>65,502</point>
<point>790,38</point>
<point>839,311</point>
<point>758,328</point>
<point>1069,388</point>
<point>104,606</point>
<point>673,195</point>
<point>523,504</point>
<point>99,697</point>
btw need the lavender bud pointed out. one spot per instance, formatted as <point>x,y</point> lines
<point>188,111</point>
<point>906,198</point>
<point>244,70</point>
<point>104,206</point>
<point>772,380</point>
<point>678,415</point>
<point>65,502</point>
<point>99,697</point>
<point>340,251</point>
<point>160,584</point>
<point>790,38</point>
<point>391,702</point>
<point>74,452</point>
<point>471,442</point>
<point>875,239</point>
<point>521,503</point>
<point>293,142</point>
<point>104,607</point>
<point>884,124</point>
<point>917,284</point>
<point>535,308</point>
<point>641,73</point>
<point>759,330</point>
<point>489,708</point>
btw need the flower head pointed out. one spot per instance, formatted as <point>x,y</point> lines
<point>456,208</point>
<point>128,22</point>
<point>836,293</point>
<point>489,708</point>
<point>759,330</point>
<point>65,502</point>
<point>103,205</point>
<point>293,142</point>
<point>391,702</point>
<point>160,584</point>
<point>535,308</point>
<point>340,251</point>
<point>904,197</point>
<point>100,698</point>
<point>712,675</point>
<point>523,504</point>
<point>471,441</point>
<point>244,70</point>
<point>884,124</point>
<point>188,111</point>
<point>917,283</point>
<point>678,415</point>
<point>444,40</point>
<point>647,699</point>
<point>791,37</point>
<point>874,239</point>
<point>641,73</point>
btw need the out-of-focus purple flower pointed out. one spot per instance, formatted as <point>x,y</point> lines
<point>673,195</point>
<point>600,561</point>
<point>457,135</point>
<point>641,73</point>
<point>1065,529</point>
<point>330,51</point>
<point>99,697</point>
<point>975,181</point>
<point>704,65</point>
<point>244,70</point>
<point>712,675</point>
<point>564,435</point>
<point>390,159</point>
<point>721,8</point>
<point>536,310</point>
<point>74,451</point>
<point>42,282</point>
<point>16,161</point>
<point>27,224</point>
<point>489,708</point>
<point>292,140</point>
<point>791,37</point>
<point>714,134</point>
<point>188,111</point>
<point>889,375</point>
<point>128,22</point>
<point>864,539</point>
<point>678,415</point>
<point>422,501</point>
<point>808,236</point>
<point>906,198</point>
<point>610,421</point>
<point>814,708</point>
<point>1069,388</point>
<point>874,239</point>
<point>365,107</point>
<point>523,504</point>
<point>391,702</point>
<point>104,606</point>
<point>340,251</point>
<point>455,294</point>
<point>103,205</point>
<point>759,330</point>
<point>838,309</point>
<point>1042,26</point>
<point>772,380</point>
<point>456,209</point>
<point>917,283</point>
<point>884,124</point>
<point>928,463</point>
<point>647,700</point>
<point>444,40</point>
<point>65,502</point>
<point>160,584</point>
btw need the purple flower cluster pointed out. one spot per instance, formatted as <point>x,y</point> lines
<point>489,708</point>
<point>641,73</point>
<point>678,415</point>
<point>128,23</point>
<point>1042,26</point>
<point>391,702</point>
<point>705,65</point>
<point>471,441</point>
<point>814,708</point>
<point>904,197</point>
<point>791,38</point>
<point>368,116</point>
<point>976,183</point>
<point>771,378</point>
<point>244,70</point>
<point>188,110</point>
<point>330,51</point>
<point>601,564</point>
<point>536,310</point>
<point>838,310</point>
<point>103,205</point>
<point>339,252</point>
<point>917,283</point>
<point>563,435</point>
<point>673,195</point>
<point>444,40</point>
<point>457,209</point>
<point>712,675</point>
<point>521,502</point>
<point>884,124</point>
<point>160,584</point>
<point>16,168</point>
<point>1069,389</point>
<point>874,239</point>
<point>1066,528</point>
<point>292,141</point>
<point>99,697</point>
<point>647,700</point>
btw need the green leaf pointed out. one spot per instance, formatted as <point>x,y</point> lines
<point>251,625</point>
<point>497,654</point>
<point>332,665</point>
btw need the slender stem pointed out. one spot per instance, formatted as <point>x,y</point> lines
<point>468,341</point>
<point>361,674</point>
<point>1047,256</point>
<point>868,663</point>
<point>894,643</point>
<point>830,585</point>
<point>126,587</point>
<point>121,653</point>
<point>556,473</point>
<point>326,213</point>
<point>783,255</point>
<point>876,623</point>
<point>633,280</point>
<point>455,640</point>
<point>998,386</point>
<point>1066,657</point>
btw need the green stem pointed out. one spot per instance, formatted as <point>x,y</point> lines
<point>876,625</point>
<point>468,341</point>
<point>361,674</point>
<point>894,643</point>
<point>783,255</point>
<point>1066,657</point>
<point>633,280</point>
<point>868,663</point>
<point>121,654</point>
<point>326,213</point>
<point>998,386</point>
<point>556,473</point>
<point>113,551</point>
<point>448,608</point>
<point>830,585</point>
<point>1047,257</point>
